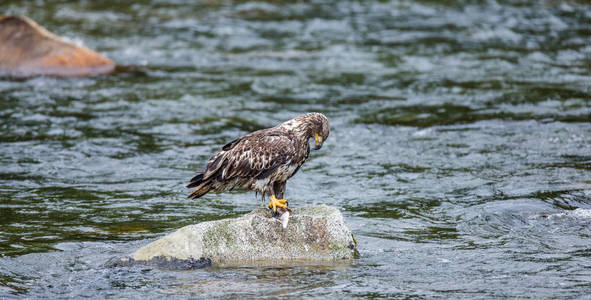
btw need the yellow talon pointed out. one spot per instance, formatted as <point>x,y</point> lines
<point>277,203</point>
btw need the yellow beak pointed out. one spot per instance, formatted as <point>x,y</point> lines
<point>317,141</point>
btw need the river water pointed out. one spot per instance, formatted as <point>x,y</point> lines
<point>459,153</point>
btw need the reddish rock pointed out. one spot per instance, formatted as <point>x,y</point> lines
<point>27,49</point>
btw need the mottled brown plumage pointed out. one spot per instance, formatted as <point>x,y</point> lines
<point>263,160</point>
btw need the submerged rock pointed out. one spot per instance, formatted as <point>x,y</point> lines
<point>162,262</point>
<point>313,233</point>
<point>27,49</point>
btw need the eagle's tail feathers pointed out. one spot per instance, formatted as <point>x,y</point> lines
<point>195,181</point>
<point>200,191</point>
<point>202,186</point>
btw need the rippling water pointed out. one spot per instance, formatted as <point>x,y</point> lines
<point>460,150</point>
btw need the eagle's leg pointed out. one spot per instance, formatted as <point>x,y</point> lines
<point>277,203</point>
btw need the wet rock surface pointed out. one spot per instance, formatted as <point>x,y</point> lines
<point>161,262</point>
<point>27,49</point>
<point>313,233</point>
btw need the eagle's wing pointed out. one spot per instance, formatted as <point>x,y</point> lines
<point>253,156</point>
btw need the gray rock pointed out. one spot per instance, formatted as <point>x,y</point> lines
<point>161,262</point>
<point>313,233</point>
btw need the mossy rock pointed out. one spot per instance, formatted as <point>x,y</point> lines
<point>313,233</point>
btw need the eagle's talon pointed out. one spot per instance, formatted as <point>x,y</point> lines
<point>273,213</point>
<point>275,203</point>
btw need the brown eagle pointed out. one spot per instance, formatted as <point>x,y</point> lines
<point>263,160</point>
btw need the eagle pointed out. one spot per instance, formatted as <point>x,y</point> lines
<point>263,160</point>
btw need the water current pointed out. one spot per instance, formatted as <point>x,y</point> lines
<point>459,154</point>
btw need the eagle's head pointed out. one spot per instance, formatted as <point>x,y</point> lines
<point>310,125</point>
<point>321,129</point>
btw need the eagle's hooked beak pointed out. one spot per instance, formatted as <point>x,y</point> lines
<point>317,142</point>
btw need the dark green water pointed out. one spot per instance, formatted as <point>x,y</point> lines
<point>460,151</point>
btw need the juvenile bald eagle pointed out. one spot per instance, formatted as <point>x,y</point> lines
<point>262,160</point>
